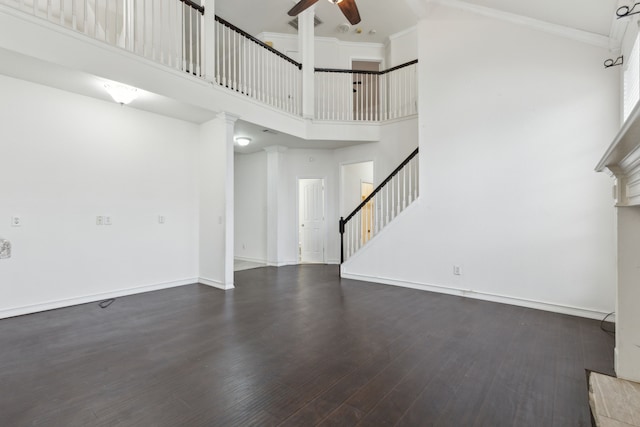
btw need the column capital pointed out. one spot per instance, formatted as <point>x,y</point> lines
<point>228,117</point>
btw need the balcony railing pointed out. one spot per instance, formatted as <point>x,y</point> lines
<point>366,95</point>
<point>173,33</point>
<point>246,65</point>
<point>165,31</point>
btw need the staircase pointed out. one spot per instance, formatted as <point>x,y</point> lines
<point>385,202</point>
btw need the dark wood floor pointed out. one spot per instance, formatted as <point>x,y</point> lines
<point>297,346</point>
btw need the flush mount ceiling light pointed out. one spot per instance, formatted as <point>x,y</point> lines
<point>120,93</point>
<point>243,141</point>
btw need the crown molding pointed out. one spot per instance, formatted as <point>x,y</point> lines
<point>402,33</point>
<point>536,24</point>
<point>267,34</point>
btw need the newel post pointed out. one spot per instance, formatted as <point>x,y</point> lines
<point>306,43</point>
<point>341,240</point>
<point>209,41</point>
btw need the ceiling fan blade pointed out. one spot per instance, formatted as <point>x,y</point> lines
<point>301,6</point>
<point>350,11</point>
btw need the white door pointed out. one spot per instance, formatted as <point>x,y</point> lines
<point>311,214</point>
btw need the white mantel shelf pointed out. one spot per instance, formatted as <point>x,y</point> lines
<point>622,158</point>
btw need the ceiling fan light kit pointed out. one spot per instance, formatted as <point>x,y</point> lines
<point>344,28</point>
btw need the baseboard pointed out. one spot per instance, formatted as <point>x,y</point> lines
<point>282,263</point>
<point>215,284</point>
<point>52,305</point>
<point>485,296</point>
<point>256,260</point>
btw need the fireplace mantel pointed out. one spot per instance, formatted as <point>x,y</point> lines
<point>622,159</point>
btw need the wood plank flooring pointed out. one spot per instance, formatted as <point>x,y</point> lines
<point>297,346</point>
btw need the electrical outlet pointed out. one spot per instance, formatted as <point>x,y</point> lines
<point>161,219</point>
<point>99,220</point>
<point>107,220</point>
<point>16,221</point>
<point>457,270</point>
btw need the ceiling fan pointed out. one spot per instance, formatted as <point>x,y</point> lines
<point>348,8</point>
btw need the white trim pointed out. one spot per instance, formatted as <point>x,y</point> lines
<point>347,43</point>
<point>256,260</point>
<point>403,32</point>
<point>67,302</point>
<point>270,34</point>
<point>282,263</point>
<point>485,296</point>
<point>215,284</point>
<point>536,24</point>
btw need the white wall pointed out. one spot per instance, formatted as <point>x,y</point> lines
<point>251,206</point>
<point>66,159</point>
<point>352,177</point>
<point>512,122</point>
<point>329,52</point>
<point>216,202</point>
<point>399,139</point>
<point>333,53</point>
<point>402,47</point>
<point>308,164</point>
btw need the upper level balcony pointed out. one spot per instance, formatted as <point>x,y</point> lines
<point>183,37</point>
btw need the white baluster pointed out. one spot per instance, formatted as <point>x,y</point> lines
<point>361,92</point>
<point>106,20</point>
<point>244,67</point>
<point>417,188</point>
<point>219,53</point>
<point>367,102</point>
<point>399,201</point>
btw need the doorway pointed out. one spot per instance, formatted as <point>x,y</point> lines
<point>311,220</point>
<point>366,188</point>
<point>366,91</point>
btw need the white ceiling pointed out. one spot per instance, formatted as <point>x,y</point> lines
<point>255,17</point>
<point>391,17</point>
<point>261,139</point>
<point>24,67</point>
<point>594,16</point>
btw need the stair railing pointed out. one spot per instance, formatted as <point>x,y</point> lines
<point>378,209</point>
